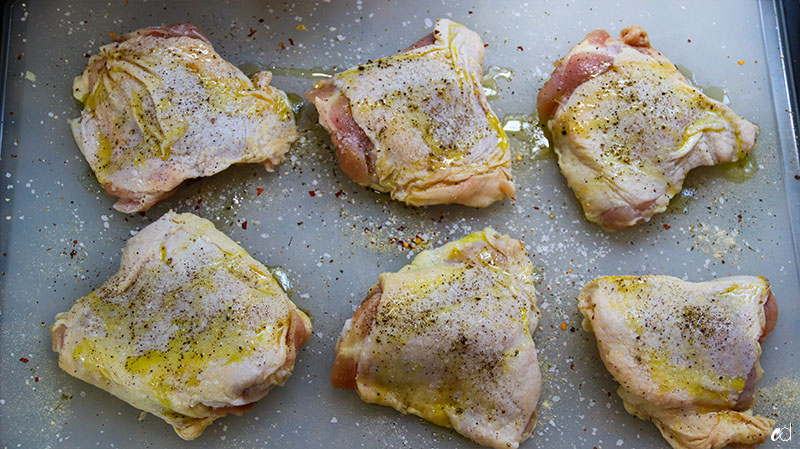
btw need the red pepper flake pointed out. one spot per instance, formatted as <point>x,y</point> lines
<point>72,254</point>
<point>19,56</point>
<point>689,41</point>
<point>36,379</point>
<point>87,55</point>
<point>291,42</point>
<point>485,45</point>
<point>367,230</point>
<point>666,226</point>
<point>535,207</point>
<point>74,242</point>
<point>519,47</point>
<point>24,360</point>
<point>259,191</point>
<point>312,193</point>
<point>11,113</point>
<point>252,32</point>
<point>469,12</point>
<point>142,214</point>
<point>244,225</point>
<point>339,193</point>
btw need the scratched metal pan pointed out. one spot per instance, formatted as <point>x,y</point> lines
<point>60,238</point>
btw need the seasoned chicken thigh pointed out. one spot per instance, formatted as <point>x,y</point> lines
<point>190,329</point>
<point>417,124</point>
<point>627,127</point>
<point>161,106</point>
<point>449,338</point>
<point>685,354</point>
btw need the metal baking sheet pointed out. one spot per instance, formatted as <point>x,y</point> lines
<point>59,237</point>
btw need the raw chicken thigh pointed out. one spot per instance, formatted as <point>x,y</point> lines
<point>449,338</point>
<point>417,124</point>
<point>190,329</point>
<point>685,354</point>
<point>161,106</point>
<point>627,127</point>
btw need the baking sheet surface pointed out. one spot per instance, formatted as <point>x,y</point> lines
<point>60,238</point>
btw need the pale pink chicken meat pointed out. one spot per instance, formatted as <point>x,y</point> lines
<point>627,127</point>
<point>161,106</point>
<point>191,328</point>
<point>686,354</point>
<point>449,338</point>
<point>417,124</point>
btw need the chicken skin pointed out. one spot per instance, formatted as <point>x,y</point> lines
<point>686,354</point>
<point>417,124</point>
<point>161,106</point>
<point>627,127</point>
<point>190,329</point>
<point>449,339</point>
